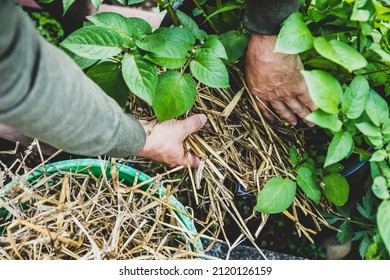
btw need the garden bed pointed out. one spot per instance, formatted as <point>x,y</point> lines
<point>252,170</point>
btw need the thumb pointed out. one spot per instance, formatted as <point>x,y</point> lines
<point>193,124</point>
<point>193,160</point>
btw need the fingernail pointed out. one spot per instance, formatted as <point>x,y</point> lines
<point>293,123</point>
<point>203,119</point>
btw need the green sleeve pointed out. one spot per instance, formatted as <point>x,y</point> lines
<point>45,95</point>
<point>265,16</point>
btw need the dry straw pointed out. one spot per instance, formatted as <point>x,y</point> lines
<point>75,216</point>
<point>239,149</point>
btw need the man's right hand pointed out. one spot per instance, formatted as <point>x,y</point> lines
<point>164,141</point>
<point>276,79</point>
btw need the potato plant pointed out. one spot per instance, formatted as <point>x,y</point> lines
<point>345,49</point>
<point>344,46</point>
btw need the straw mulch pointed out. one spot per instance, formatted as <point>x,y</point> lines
<point>240,151</point>
<point>76,216</point>
<point>73,216</point>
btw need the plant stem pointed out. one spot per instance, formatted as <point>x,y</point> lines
<point>170,11</point>
<point>362,152</point>
<point>205,16</point>
<point>172,14</point>
<point>358,37</point>
<point>307,6</point>
<point>376,71</point>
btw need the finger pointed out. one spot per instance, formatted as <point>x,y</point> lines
<point>264,110</point>
<point>193,124</point>
<point>305,98</point>
<point>188,158</point>
<point>284,112</point>
<point>297,107</point>
<point>193,160</point>
<point>310,104</point>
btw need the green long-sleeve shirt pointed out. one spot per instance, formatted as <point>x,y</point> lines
<point>45,95</point>
<point>265,16</point>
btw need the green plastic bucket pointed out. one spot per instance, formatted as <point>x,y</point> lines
<point>126,174</point>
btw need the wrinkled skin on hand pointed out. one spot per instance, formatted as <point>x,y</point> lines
<point>275,79</point>
<point>164,141</point>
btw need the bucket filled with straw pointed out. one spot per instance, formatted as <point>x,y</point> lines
<point>93,209</point>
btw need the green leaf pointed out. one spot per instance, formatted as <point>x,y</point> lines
<point>276,196</point>
<point>97,3</point>
<point>134,27</point>
<point>170,63</point>
<point>359,13</point>
<point>189,24</point>
<point>307,181</point>
<point>66,5</point>
<point>235,44</point>
<point>375,141</point>
<point>368,129</point>
<point>168,43</point>
<point>321,4</point>
<point>294,36</point>
<point>94,42</point>
<point>197,12</point>
<point>344,210</point>
<point>379,156</point>
<point>385,56</point>
<point>325,120</point>
<point>383,222</point>
<point>379,188</point>
<point>294,155</point>
<point>140,27</point>
<point>355,97</point>
<point>363,246</point>
<point>377,108</point>
<point>334,168</point>
<point>340,53</point>
<point>209,69</point>
<point>215,46</point>
<point>372,251</point>
<point>367,208</point>
<point>321,63</point>
<point>175,95</point>
<point>81,61</point>
<point>340,147</point>
<point>177,35</point>
<point>140,76</point>
<point>345,233</point>
<point>108,76</point>
<point>229,6</point>
<point>336,189</point>
<point>324,89</point>
<point>377,168</point>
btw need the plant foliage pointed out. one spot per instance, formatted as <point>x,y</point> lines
<point>344,46</point>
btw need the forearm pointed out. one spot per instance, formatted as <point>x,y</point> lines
<point>45,95</point>
<point>265,16</point>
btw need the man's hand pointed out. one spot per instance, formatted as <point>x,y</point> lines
<point>276,79</point>
<point>164,141</point>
